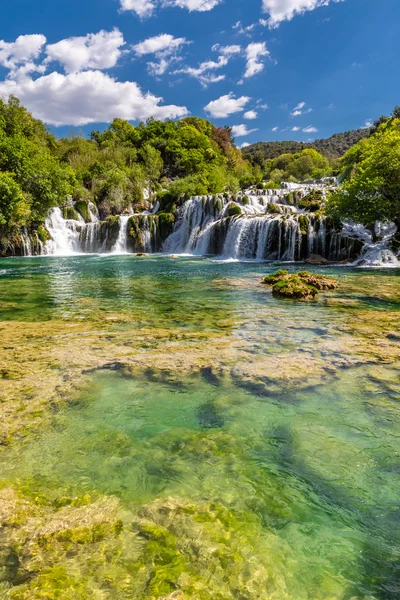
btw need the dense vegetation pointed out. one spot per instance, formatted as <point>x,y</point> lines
<point>129,166</point>
<point>371,177</point>
<point>307,164</point>
<point>118,168</point>
<point>332,147</point>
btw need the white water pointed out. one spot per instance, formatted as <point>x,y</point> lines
<point>64,234</point>
<point>121,245</point>
<point>378,254</point>
<point>202,228</point>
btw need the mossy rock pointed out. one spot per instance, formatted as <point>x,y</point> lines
<point>69,212</point>
<point>234,210</point>
<point>274,209</point>
<point>82,208</point>
<point>43,234</point>
<point>303,224</point>
<point>299,286</point>
<point>312,202</point>
<point>166,223</point>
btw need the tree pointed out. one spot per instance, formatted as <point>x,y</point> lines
<point>371,187</point>
<point>14,210</point>
<point>152,163</point>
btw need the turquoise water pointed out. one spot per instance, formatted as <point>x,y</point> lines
<point>205,390</point>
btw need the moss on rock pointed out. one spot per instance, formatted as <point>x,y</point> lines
<point>312,202</point>
<point>82,208</point>
<point>43,234</point>
<point>234,210</point>
<point>69,212</point>
<point>300,286</point>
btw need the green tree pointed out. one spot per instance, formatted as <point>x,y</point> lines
<point>371,187</point>
<point>14,210</point>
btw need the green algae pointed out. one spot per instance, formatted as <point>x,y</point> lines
<point>185,436</point>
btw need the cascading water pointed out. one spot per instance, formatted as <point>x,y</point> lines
<point>121,245</point>
<point>64,234</point>
<point>255,225</point>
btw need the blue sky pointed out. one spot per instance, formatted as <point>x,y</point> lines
<point>272,69</point>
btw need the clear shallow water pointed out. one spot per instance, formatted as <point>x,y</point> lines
<point>292,426</point>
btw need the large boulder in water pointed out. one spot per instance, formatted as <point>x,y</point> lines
<point>298,286</point>
<point>316,259</point>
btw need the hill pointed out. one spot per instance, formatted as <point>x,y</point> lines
<point>332,147</point>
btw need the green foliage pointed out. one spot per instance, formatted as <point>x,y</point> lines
<point>14,210</point>
<point>332,147</point>
<point>371,172</point>
<point>307,164</point>
<point>33,179</point>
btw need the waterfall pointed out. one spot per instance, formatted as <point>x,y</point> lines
<point>121,245</point>
<point>252,225</point>
<point>26,243</point>
<point>64,234</point>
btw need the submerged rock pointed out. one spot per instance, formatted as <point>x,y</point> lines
<point>300,286</point>
<point>316,259</point>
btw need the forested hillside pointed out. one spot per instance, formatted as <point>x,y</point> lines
<point>333,147</point>
<point>116,169</point>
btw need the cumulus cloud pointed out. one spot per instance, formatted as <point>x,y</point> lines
<point>164,47</point>
<point>285,10</point>
<point>275,128</point>
<point>250,114</point>
<point>226,105</point>
<point>145,8</point>
<point>241,130</point>
<point>253,54</point>
<point>295,128</point>
<point>245,144</point>
<point>310,129</point>
<point>368,123</point>
<point>93,51</point>
<point>87,97</point>
<point>25,49</point>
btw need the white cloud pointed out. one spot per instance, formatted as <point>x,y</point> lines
<point>285,10</point>
<point>24,50</point>
<point>275,128</point>
<point>87,97</point>
<point>159,43</point>
<point>226,105</point>
<point>201,72</point>
<point>145,8</point>
<point>165,47</point>
<point>93,51</point>
<point>310,129</point>
<point>295,128</point>
<point>244,145</point>
<point>250,114</point>
<point>253,54</point>
<point>193,5</point>
<point>247,30</point>
<point>227,50</point>
<point>368,124</point>
<point>299,110</point>
<point>241,130</point>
